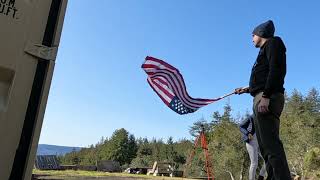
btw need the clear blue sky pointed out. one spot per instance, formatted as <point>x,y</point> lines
<point>98,85</point>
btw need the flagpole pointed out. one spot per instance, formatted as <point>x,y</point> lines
<point>224,96</point>
<point>234,92</point>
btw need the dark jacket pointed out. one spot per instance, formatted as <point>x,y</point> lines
<point>269,70</point>
<point>247,126</point>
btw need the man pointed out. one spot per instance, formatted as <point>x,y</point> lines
<point>266,86</point>
<point>249,137</point>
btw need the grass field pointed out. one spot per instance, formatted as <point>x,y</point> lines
<point>90,175</point>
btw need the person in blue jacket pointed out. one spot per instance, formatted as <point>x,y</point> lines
<point>249,137</point>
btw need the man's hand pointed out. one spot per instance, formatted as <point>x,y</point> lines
<point>241,90</point>
<point>263,106</point>
<point>250,137</point>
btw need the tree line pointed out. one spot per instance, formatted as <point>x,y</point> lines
<point>299,131</point>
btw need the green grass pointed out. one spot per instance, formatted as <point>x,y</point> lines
<point>79,173</point>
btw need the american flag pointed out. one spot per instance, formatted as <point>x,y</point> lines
<point>168,83</point>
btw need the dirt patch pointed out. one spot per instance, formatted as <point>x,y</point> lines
<point>48,177</point>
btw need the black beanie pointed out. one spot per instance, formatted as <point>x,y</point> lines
<point>264,30</point>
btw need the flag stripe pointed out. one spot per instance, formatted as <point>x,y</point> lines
<point>163,97</point>
<point>184,90</point>
<point>170,86</point>
<point>181,90</point>
<point>161,62</point>
<point>178,92</point>
<point>163,81</point>
<point>163,89</point>
<point>181,80</point>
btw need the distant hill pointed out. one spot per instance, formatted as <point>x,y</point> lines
<point>46,149</point>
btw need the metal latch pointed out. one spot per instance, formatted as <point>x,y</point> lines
<point>41,51</point>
